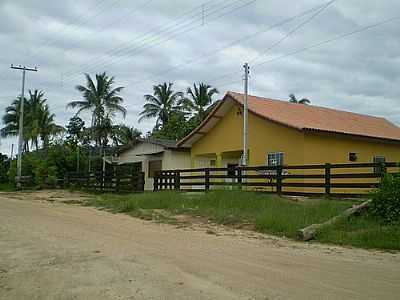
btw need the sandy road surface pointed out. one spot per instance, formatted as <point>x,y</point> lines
<point>59,251</point>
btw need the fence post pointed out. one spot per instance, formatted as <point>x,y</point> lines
<point>279,180</point>
<point>117,178</point>
<point>327,179</point>
<point>141,181</point>
<point>207,179</point>
<point>239,177</point>
<point>66,180</point>
<point>170,179</point>
<point>155,184</point>
<point>177,181</point>
<point>384,170</point>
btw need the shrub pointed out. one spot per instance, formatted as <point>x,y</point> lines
<point>386,200</point>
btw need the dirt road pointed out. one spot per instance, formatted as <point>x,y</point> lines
<point>59,251</point>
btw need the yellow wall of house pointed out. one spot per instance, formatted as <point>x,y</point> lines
<point>298,147</point>
<point>224,141</point>
<point>264,137</point>
<point>335,149</point>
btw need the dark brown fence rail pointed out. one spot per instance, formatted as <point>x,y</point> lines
<point>106,182</point>
<point>328,179</point>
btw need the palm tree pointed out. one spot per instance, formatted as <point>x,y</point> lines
<point>161,104</point>
<point>293,99</point>
<point>102,100</point>
<point>48,127</point>
<point>11,118</point>
<point>200,99</point>
<point>38,121</point>
<point>124,135</point>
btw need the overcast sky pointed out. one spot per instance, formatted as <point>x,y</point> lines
<point>144,42</point>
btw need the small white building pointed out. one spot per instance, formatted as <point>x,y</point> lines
<point>154,155</point>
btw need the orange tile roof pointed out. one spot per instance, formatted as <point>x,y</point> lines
<point>310,117</point>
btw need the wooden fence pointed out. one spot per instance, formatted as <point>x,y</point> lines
<point>328,179</point>
<point>107,182</point>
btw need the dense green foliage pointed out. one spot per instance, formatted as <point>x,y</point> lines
<point>199,100</point>
<point>39,124</point>
<point>386,200</point>
<point>175,114</point>
<point>45,167</point>
<point>103,101</point>
<point>4,167</point>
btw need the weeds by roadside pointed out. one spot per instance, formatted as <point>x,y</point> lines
<point>268,213</point>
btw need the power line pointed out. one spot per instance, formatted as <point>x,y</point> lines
<point>291,32</point>
<point>304,49</point>
<point>338,37</point>
<point>147,34</point>
<point>130,12</point>
<point>214,52</point>
<point>189,29</point>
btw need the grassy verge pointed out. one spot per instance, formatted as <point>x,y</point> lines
<point>269,213</point>
<point>6,187</point>
<point>364,232</point>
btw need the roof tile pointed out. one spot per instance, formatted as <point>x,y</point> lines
<point>310,117</point>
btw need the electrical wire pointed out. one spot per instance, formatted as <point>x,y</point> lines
<point>190,28</point>
<point>319,9</point>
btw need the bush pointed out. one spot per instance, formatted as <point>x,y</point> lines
<point>386,200</point>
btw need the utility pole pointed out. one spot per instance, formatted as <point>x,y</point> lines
<point>12,151</point>
<point>245,116</point>
<point>21,121</point>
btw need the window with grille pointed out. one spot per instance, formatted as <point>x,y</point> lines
<point>155,166</point>
<point>275,159</point>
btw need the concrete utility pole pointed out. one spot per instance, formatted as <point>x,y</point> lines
<point>245,115</point>
<point>21,121</point>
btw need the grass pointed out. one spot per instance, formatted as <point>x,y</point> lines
<point>269,213</point>
<point>364,232</point>
<point>7,187</point>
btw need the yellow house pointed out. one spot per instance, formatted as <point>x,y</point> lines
<point>289,134</point>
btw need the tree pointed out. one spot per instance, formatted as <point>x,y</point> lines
<point>124,135</point>
<point>176,128</point>
<point>75,130</point>
<point>293,99</point>
<point>11,118</point>
<point>5,163</point>
<point>103,101</point>
<point>39,123</point>
<point>200,99</point>
<point>43,124</point>
<point>161,104</point>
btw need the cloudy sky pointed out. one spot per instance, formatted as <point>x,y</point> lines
<point>144,42</point>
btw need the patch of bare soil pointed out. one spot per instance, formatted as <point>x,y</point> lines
<point>61,196</point>
<point>50,250</point>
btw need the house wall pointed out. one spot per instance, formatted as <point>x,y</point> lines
<point>335,149</point>
<point>323,148</point>
<point>131,155</point>
<point>171,159</point>
<point>223,143</point>
<point>226,139</point>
